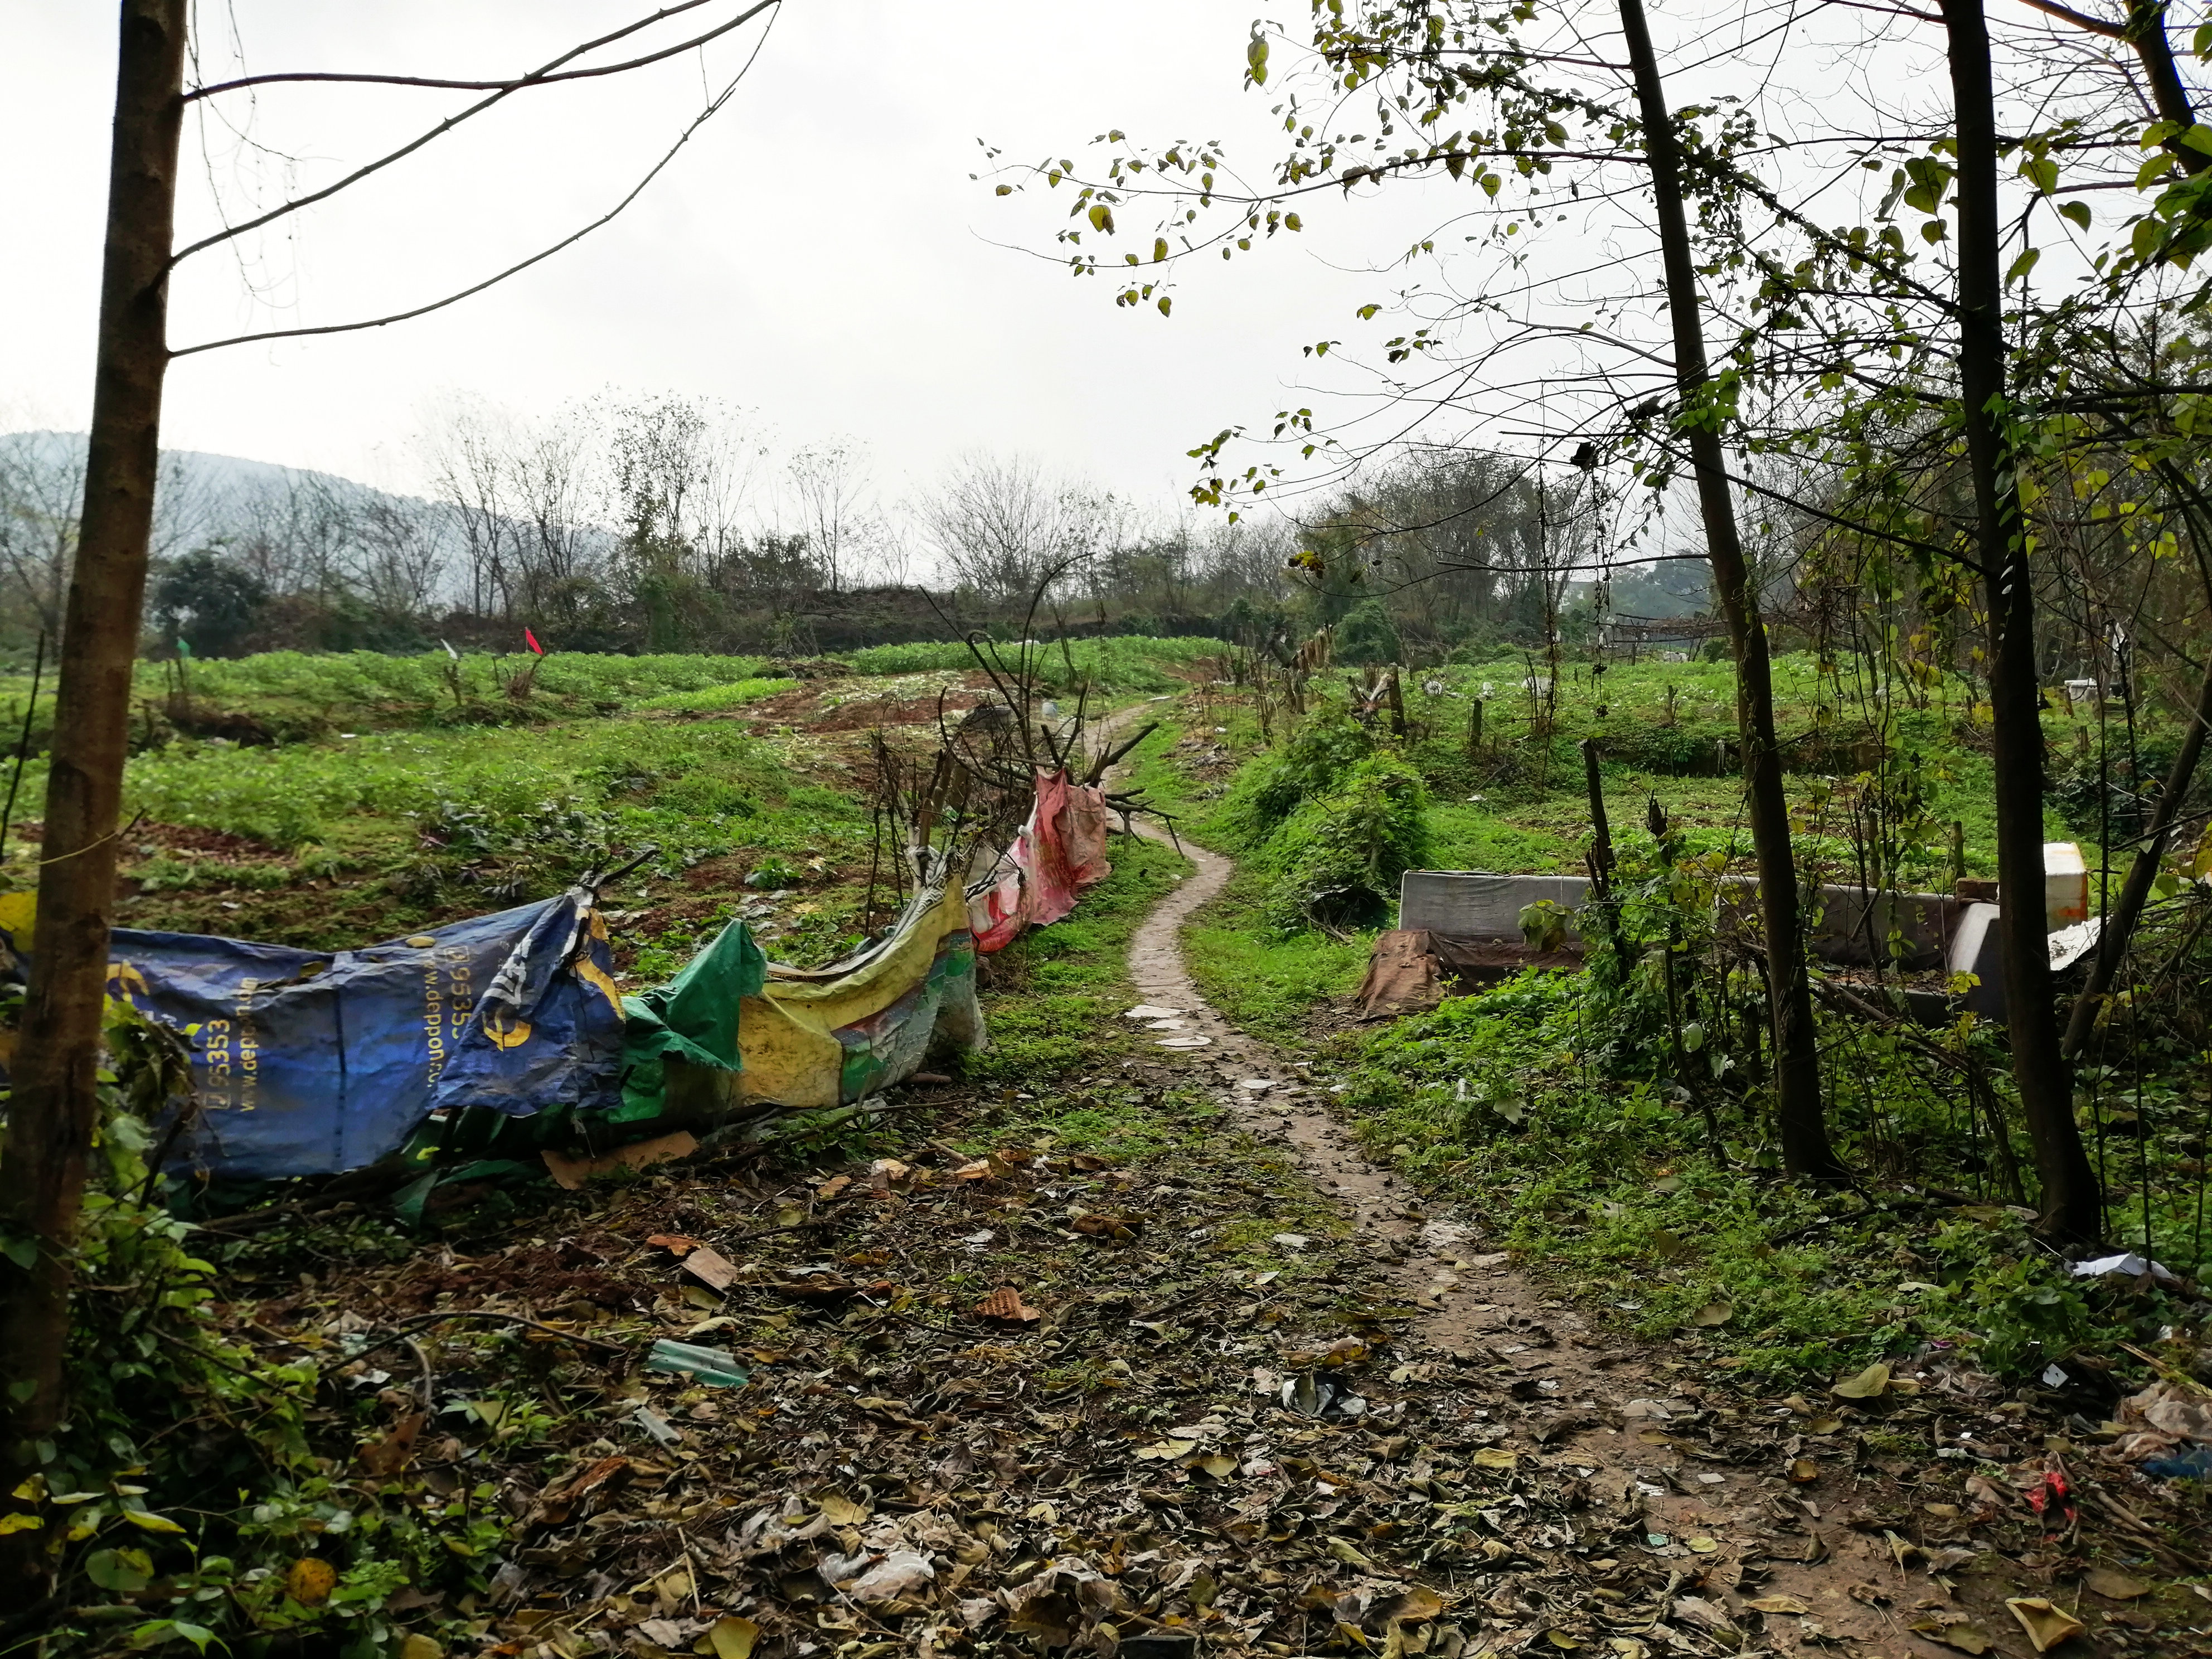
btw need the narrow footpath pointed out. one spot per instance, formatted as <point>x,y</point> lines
<point>1761,1558</point>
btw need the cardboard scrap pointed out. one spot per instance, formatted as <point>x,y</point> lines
<point>572,1173</point>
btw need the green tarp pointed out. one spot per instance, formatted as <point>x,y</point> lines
<point>693,1017</point>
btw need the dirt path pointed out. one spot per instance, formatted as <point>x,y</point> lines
<point>1638,1427</point>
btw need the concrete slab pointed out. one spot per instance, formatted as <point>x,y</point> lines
<point>1469,905</point>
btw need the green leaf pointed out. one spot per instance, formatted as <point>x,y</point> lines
<point>2078,212</point>
<point>1165,304</point>
<point>1255,61</point>
<point>24,1253</point>
<point>1004,189</point>
<point>1102,218</point>
<point>1159,249</point>
<point>122,1572</point>
<point>2023,265</point>
<point>155,1631</point>
<point>147,1520</point>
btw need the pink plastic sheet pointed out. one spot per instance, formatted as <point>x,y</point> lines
<point>1060,851</point>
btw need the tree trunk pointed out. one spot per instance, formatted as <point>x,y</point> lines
<point>2112,937</point>
<point>2146,32</point>
<point>2071,1206</point>
<point>1798,1111</point>
<point>54,1109</point>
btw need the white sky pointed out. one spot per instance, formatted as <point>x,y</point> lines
<point>818,255</point>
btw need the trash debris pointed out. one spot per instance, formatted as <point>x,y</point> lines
<point>711,1268</point>
<point>1315,1396</point>
<point>572,1173</point>
<point>716,1367</point>
<point>1291,1240</point>
<point>2194,1464</point>
<point>2054,1376</point>
<point>2127,1265</point>
<point>1257,1085</point>
<point>656,1427</point>
<point>1186,1042</point>
<point>1149,1011</point>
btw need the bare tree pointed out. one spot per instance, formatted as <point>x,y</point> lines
<point>830,485</point>
<point>41,500</point>
<point>998,525</point>
<point>42,503</point>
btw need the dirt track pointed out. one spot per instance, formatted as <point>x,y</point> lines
<point>1642,1430</point>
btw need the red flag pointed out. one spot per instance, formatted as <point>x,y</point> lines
<point>533,638</point>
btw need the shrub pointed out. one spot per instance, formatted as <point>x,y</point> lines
<point>1340,856</point>
<point>1312,763</point>
<point>1367,635</point>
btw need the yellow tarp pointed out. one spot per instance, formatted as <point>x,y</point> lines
<point>788,1033</point>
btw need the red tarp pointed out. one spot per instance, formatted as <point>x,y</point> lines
<point>1060,851</point>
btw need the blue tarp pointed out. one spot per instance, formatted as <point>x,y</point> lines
<point>313,1061</point>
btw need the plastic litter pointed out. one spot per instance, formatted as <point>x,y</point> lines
<point>2194,1464</point>
<point>716,1367</point>
<point>657,1428</point>
<point>2127,1265</point>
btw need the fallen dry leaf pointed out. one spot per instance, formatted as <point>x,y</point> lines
<point>1713,1313</point>
<point>2114,1586</point>
<point>1004,1306</point>
<point>386,1456</point>
<point>681,1243</point>
<point>732,1637</point>
<point>1869,1384</point>
<point>1777,1604</point>
<point>583,1489</point>
<point>2046,1625</point>
<point>1960,1633</point>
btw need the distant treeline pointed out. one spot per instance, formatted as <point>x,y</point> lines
<point>644,527</point>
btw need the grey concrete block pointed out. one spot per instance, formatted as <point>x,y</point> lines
<point>1468,904</point>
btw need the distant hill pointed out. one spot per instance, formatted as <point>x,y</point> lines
<point>202,474</point>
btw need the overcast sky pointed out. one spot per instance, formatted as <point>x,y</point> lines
<point>819,254</point>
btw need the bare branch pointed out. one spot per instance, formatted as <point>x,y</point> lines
<point>519,83</point>
<point>536,77</point>
<point>2080,20</point>
<point>636,191</point>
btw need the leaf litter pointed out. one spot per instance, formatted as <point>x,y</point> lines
<point>988,1396</point>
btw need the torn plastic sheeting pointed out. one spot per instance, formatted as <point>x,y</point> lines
<point>716,1367</point>
<point>695,1017</point>
<point>2126,1264</point>
<point>827,1038</point>
<point>1060,851</point>
<point>311,1062</point>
